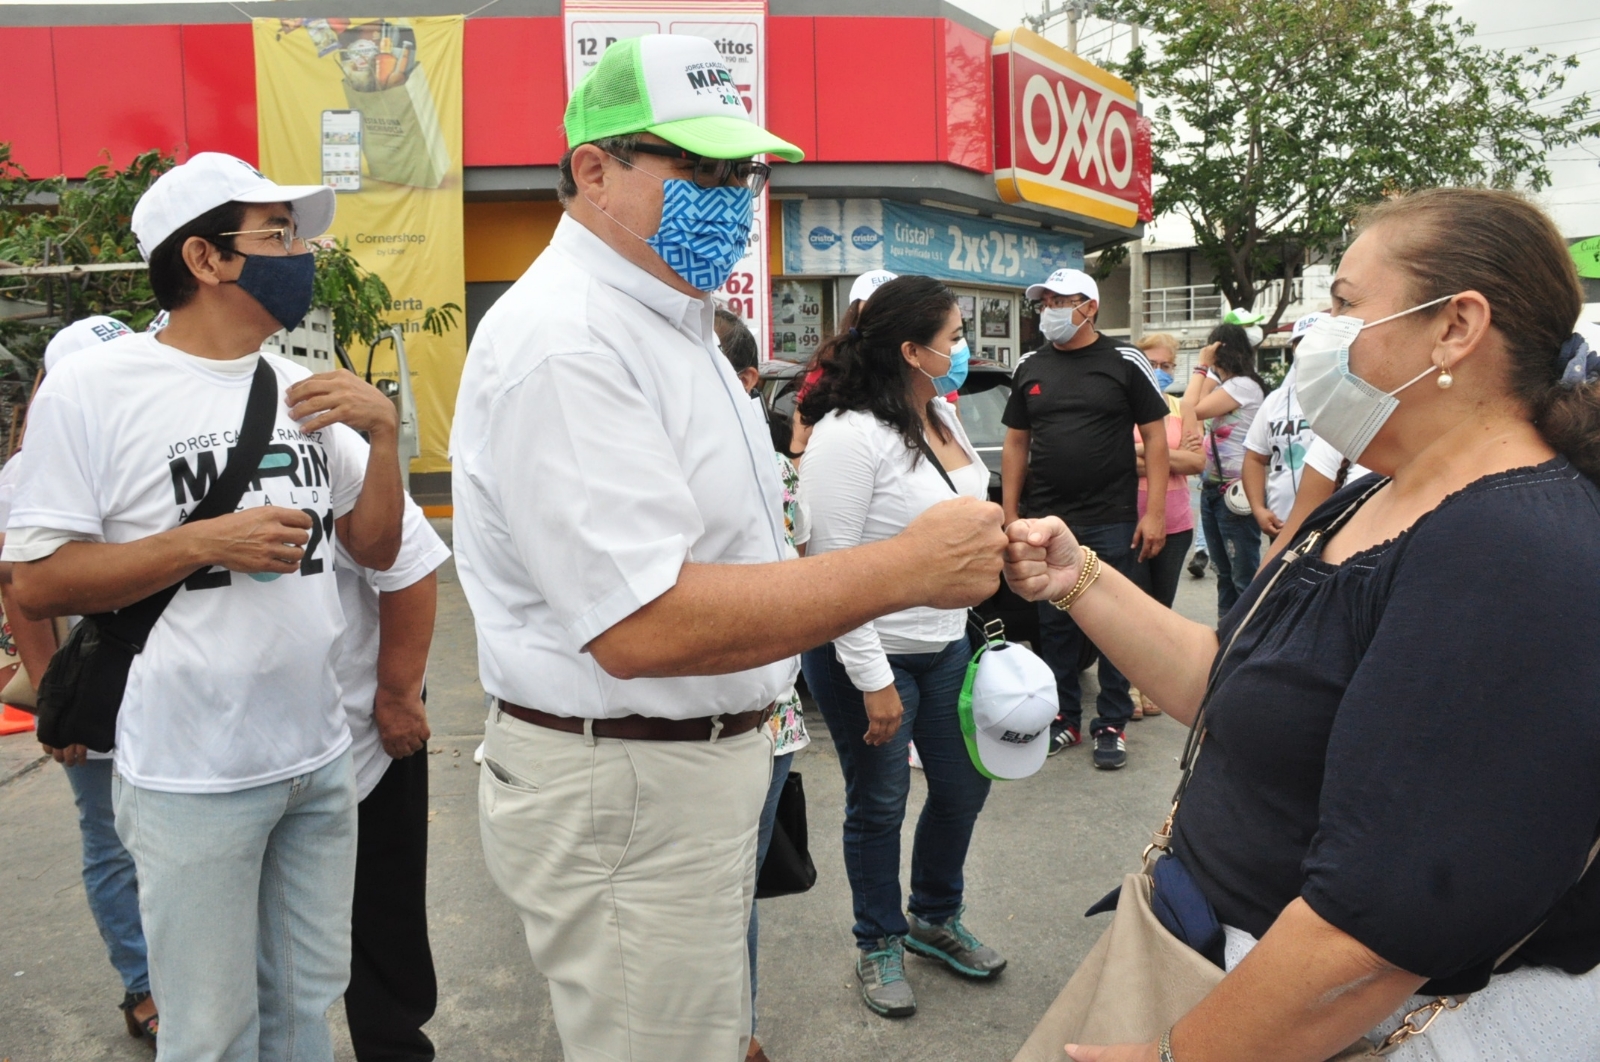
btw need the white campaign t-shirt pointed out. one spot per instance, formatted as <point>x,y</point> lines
<point>1282,435</point>
<point>235,687</point>
<point>421,551</point>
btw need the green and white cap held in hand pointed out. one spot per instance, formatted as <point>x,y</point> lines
<point>675,87</point>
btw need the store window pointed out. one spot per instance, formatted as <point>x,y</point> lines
<point>990,319</point>
<point>799,310</point>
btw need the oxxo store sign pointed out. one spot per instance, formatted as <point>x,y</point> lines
<point>1067,134</point>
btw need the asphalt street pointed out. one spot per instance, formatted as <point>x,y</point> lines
<point>1044,850</point>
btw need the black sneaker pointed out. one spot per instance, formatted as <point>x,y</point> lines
<point>1110,749</point>
<point>1065,738</point>
<point>1198,562</point>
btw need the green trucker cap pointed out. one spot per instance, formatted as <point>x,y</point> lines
<point>676,87</point>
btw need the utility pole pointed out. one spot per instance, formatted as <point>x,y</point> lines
<point>1136,282</point>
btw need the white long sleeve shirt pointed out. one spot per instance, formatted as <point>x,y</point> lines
<point>860,483</point>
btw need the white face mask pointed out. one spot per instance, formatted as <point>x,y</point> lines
<point>1340,406</point>
<point>1057,323</point>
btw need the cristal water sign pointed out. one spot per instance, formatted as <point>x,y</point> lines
<point>737,28</point>
<point>1065,131</point>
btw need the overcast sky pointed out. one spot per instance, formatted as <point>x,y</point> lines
<point>1568,27</point>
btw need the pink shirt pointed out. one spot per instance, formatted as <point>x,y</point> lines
<point>1179,516</point>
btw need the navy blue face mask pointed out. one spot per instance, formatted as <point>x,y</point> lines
<point>284,285</point>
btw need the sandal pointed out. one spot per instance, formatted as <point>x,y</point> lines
<point>139,1028</point>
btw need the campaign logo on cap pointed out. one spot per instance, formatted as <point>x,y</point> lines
<point>1007,704</point>
<point>869,282</point>
<point>1067,282</point>
<point>673,86</point>
<point>1303,325</point>
<point>211,179</point>
<point>81,335</point>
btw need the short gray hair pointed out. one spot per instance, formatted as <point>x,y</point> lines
<point>619,147</point>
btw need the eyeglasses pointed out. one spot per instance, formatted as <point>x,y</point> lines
<point>714,173</point>
<point>286,236</point>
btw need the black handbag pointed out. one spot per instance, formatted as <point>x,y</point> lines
<point>81,691</point>
<point>788,868</point>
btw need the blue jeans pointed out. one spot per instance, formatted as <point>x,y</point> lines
<point>1235,546</point>
<point>246,904</point>
<point>769,813</point>
<point>108,876</point>
<point>1061,641</point>
<point>877,780</point>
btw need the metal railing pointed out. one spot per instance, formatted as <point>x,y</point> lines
<point>1197,303</point>
<point>1201,304</point>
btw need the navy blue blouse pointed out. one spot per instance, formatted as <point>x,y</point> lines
<point>1410,740</point>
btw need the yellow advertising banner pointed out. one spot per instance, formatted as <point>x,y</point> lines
<point>372,107</point>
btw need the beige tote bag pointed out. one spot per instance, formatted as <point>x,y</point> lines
<point>1135,984</point>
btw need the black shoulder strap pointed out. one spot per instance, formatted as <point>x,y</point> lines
<point>927,451</point>
<point>133,623</point>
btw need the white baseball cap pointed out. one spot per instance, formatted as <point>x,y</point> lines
<point>1007,703</point>
<point>1067,282</point>
<point>211,179</point>
<point>1303,324</point>
<point>81,335</point>
<point>869,282</point>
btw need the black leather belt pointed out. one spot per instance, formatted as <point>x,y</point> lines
<point>643,727</point>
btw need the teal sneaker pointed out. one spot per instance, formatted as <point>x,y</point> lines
<point>882,972</point>
<point>953,945</point>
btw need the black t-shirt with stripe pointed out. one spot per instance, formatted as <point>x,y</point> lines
<point>1080,407</point>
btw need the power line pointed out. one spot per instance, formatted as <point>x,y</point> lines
<point>1530,29</point>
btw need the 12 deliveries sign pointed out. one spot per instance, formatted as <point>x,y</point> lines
<point>1065,132</point>
<point>372,108</point>
<point>737,28</point>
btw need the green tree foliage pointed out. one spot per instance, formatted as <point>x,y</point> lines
<point>89,223</point>
<point>1277,119</point>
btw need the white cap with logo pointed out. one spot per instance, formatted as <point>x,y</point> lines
<point>211,179</point>
<point>81,335</point>
<point>869,282</point>
<point>1067,282</point>
<point>1006,707</point>
<point>1303,325</point>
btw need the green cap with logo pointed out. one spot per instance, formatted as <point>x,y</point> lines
<point>675,87</point>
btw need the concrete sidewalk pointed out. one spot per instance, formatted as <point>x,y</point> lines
<point>1045,849</point>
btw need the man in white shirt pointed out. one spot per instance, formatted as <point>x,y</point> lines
<point>619,536</point>
<point>382,666</point>
<point>233,786</point>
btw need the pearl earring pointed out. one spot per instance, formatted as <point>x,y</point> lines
<point>1445,379</point>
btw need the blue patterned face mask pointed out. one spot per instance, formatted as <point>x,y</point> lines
<point>703,231</point>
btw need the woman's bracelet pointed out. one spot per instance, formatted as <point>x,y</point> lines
<point>1164,1048</point>
<point>1088,572</point>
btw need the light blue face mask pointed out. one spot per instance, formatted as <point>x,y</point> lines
<point>1163,380</point>
<point>956,375</point>
<point>703,231</point>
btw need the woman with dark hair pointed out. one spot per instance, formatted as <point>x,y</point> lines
<point>1226,392</point>
<point>885,448</point>
<point>1394,798</point>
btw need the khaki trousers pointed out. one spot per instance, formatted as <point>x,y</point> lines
<point>632,864</point>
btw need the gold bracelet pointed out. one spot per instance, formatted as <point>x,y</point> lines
<point>1088,572</point>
